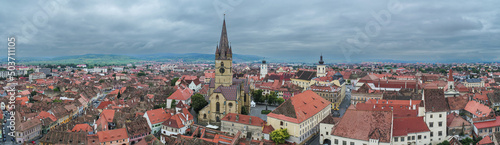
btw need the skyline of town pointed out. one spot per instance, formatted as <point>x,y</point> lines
<point>405,79</point>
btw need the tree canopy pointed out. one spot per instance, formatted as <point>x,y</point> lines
<point>280,135</point>
<point>198,102</point>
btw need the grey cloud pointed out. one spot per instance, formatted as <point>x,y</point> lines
<point>434,30</point>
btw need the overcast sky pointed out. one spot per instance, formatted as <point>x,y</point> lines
<point>342,30</point>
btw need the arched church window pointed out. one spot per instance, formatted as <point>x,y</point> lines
<point>217,106</point>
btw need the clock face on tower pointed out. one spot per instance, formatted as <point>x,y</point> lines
<point>221,70</point>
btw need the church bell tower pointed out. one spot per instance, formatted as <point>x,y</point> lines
<point>223,60</point>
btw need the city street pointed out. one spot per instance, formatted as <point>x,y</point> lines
<point>8,139</point>
<point>345,103</point>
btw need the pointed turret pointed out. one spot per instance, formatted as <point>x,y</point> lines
<point>217,51</point>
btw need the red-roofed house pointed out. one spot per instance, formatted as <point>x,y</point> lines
<point>113,137</point>
<point>155,118</point>
<point>486,141</point>
<point>457,125</point>
<point>301,115</point>
<point>177,124</point>
<point>183,95</point>
<point>105,118</point>
<point>409,130</point>
<point>362,128</point>
<point>476,109</point>
<point>487,127</point>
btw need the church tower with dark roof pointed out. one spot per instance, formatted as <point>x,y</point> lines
<point>320,69</point>
<point>223,60</point>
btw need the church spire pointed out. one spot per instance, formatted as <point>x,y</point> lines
<point>224,43</point>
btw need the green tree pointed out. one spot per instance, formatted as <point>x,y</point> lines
<point>280,101</point>
<point>141,74</point>
<point>57,89</point>
<point>444,143</point>
<point>173,104</point>
<point>119,95</point>
<point>271,98</point>
<point>164,105</point>
<point>198,102</point>
<point>101,81</point>
<point>172,83</point>
<point>33,93</point>
<point>244,110</point>
<point>257,96</point>
<point>466,141</point>
<point>280,135</point>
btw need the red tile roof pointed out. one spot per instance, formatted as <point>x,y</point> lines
<point>44,114</point>
<point>406,125</point>
<point>376,125</point>
<point>82,127</point>
<point>267,129</point>
<point>244,119</point>
<point>485,140</point>
<point>104,104</point>
<point>478,109</point>
<point>401,108</point>
<point>453,120</point>
<point>457,103</point>
<point>488,124</point>
<point>181,94</point>
<point>435,100</point>
<point>112,135</point>
<point>303,106</point>
<point>157,115</point>
<point>108,114</point>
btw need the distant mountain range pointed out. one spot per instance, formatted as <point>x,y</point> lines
<point>125,59</point>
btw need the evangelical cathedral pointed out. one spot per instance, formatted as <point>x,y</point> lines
<point>226,94</point>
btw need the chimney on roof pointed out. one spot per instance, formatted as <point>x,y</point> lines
<point>237,117</point>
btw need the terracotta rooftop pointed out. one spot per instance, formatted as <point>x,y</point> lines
<point>453,120</point>
<point>181,94</point>
<point>82,127</point>
<point>267,129</point>
<point>406,125</point>
<point>435,101</point>
<point>112,135</point>
<point>300,107</point>
<point>108,114</point>
<point>488,124</point>
<point>376,125</point>
<point>243,119</point>
<point>477,109</point>
<point>62,137</point>
<point>457,103</point>
<point>486,140</point>
<point>157,115</point>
